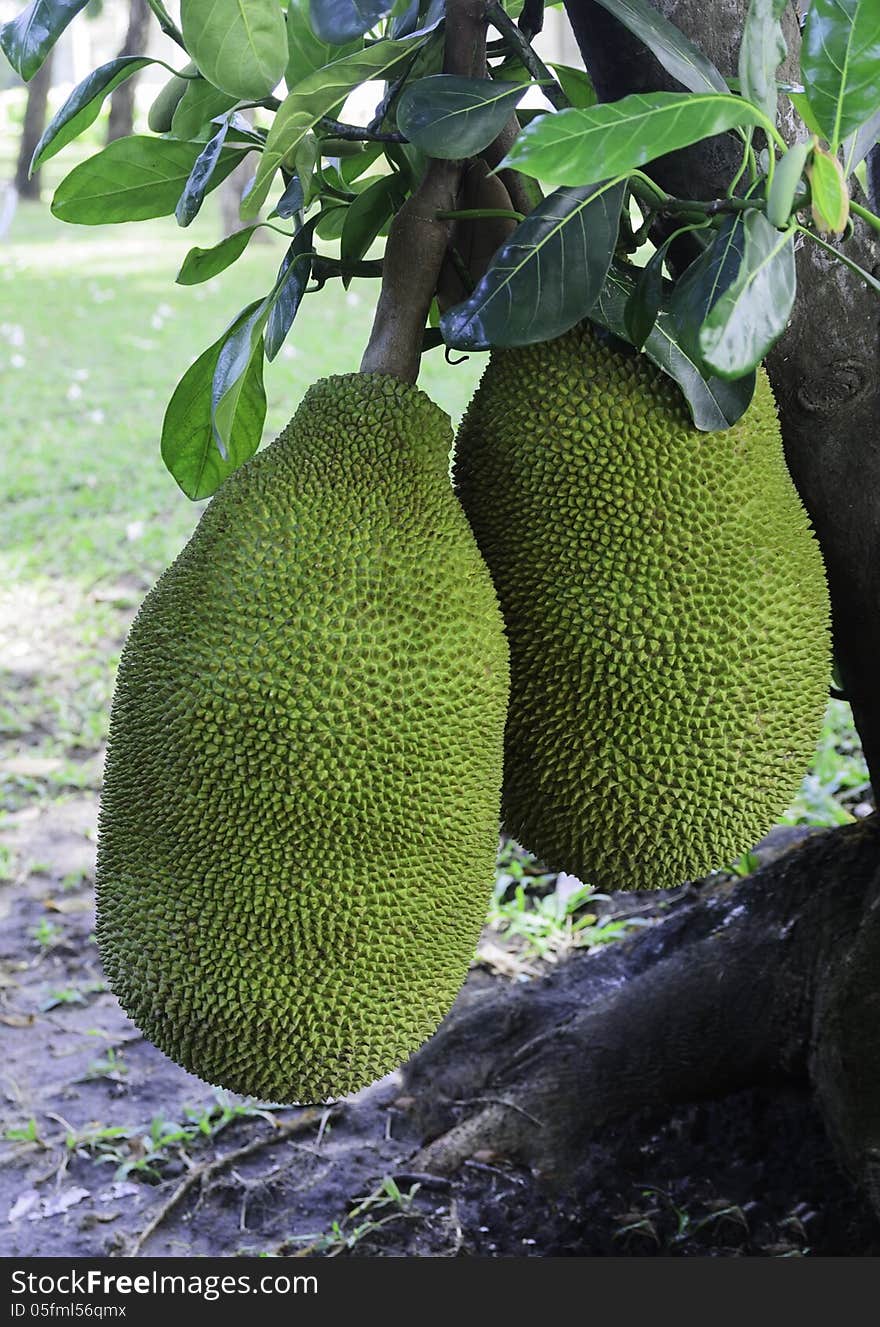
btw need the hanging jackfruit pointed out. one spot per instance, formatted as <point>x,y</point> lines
<point>666,609</point>
<point>300,811</point>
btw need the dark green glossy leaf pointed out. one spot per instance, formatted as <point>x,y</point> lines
<point>83,106</point>
<point>315,96</point>
<point>199,181</point>
<point>576,84</point>
<point>699,289</point>
<point>28,38</point>
<point>752,314</point>
<point>189,448</point>
<point>237,375</point>
<point>453,117</point>
<point>305,51</point>
<point>579,146</point>
<point>340,21</point>
<point>331,220</point>
<point>678,56</point>
<point>643,305</point>
<point>761,52</point>
<point>292,200</point>
<point>547,275</point>
<point>713,403</point>
<point>368,214</point>
<point>293,277</point>
<point>201,264</point>
<point>239,45</point>
<point>198,106</point>
<point>840,59</point>
<point>133,179</point>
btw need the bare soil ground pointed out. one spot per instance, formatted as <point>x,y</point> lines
<point>112,1149</point>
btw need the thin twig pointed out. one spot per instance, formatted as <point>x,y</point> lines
<point>519,44</point>
<point>166,23</point>
<point>199,1175</point>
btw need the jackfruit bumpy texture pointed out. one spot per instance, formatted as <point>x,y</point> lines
<point>299,820</point>
<point>666,609</point>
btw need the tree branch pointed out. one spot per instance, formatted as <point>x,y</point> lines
<point>518,42</point>
<point>417,240</point>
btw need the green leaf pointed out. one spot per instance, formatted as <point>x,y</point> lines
<point>201,264</point>
<point>339,21</point>
<point>199,180</point>
<point>315,96</point>
<point>83,106</point>
<point>367,215</point>
<point>840,58</point>
<point>331,219</point>
<point>752,314</point>
<point>546,276</point>
<point>197,107</point>
<point>575,83</point>
<point>292,200</point>
<point>761,52</point>
<point>133,179</point>
<point>700,287</point>
<point>28,38</point>
<point>290,285</point>
<point>451,117</point>
<point>239,45</point>
<point>576,147</point>
<point>643,305</point>
<point>238,372</point>
<point>829,197</point>
<point>305,51</point>
<point>801,104</point>
<point>713,403</point>
<point>189,449</point>
<point>859,144</point>
<point>678,56</point>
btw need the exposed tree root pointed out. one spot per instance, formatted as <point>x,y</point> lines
<point>774,978</point>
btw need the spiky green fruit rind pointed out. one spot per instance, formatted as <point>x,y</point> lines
<point>666,609</point>
<point>299,820</point>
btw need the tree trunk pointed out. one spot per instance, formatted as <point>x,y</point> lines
<point>121,121</point>
<point>779,977</point>
<point>32,129</point>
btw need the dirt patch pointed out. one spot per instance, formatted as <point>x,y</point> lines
<point>112,1148</point>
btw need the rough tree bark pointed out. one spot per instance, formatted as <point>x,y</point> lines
<point>121,121</point>
<point>31,130</point>
<point>778,977</point>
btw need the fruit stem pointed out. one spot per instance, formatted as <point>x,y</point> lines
<point>417,239</point>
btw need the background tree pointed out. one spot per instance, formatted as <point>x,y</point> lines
<point>778,979</point>
<point>36,106</point>
<point>121,119</point>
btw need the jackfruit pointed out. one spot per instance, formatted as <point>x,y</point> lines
<point>666,609</point>
<point>168,98</point>
<point>299,820</point>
